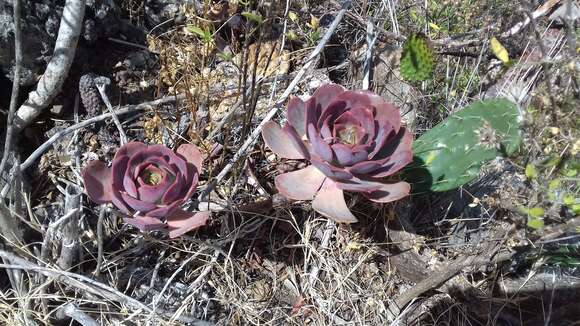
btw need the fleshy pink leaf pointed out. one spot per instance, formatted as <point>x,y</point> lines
<point>400,157</point>
<point>164,211</point>
<point>97,179</point>
<point>326,94</point>
<point>330,202</point>
<point>319,146</point>
<point>300,185</point>
<point>136,204</point>
<point>347,156</point>
<point>296,115</point>
<point>329,170</point>
<point>389,192</point>
<point>181,221</point>
<point>192,155</point>
<point>280,142</point>
<point>358,185</point>
<point>145,223</point>
<point>130,149</point>
<point>117,174</point>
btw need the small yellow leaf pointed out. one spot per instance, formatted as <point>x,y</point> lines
<point>499,50</point>
<point>430,158</point>
<point>536,212</point>
<point>353,246</point>
<point>314,23</point>
<point>293,16</point>
<point>531,172</point>
<point>434,26</point>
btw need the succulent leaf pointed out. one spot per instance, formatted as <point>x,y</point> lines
<point>148,184</point>
<point>353,140</point>
<point>452,153</point>
<point>417,59</point>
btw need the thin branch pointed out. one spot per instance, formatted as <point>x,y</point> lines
<point>72,311</point>
<point>100,221</point>
<point>437,279</point>
<point>101,87</point>
<point>57,70</point>
<point>15,85</point>
<point>249,143</point>
<point>89,285</point>
<point>131,108</point>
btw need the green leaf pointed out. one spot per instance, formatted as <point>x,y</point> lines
<point>554,184</point>
<point>196,30</point>
<point>570,172</point>
<point>291,36</point>
<point>531,172</point>
<point>569,200</point>
<point>205,35</point>
<point>535,223</point>
<point>417,59</point>
<point>536,212</point>
<point>250,16</point>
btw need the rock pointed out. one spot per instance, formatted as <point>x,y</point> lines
<point>36,39</point>
<point>57,109</point>
<point>160,11</point>
<point>40,24</point>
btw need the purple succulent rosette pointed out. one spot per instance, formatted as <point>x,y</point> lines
<point>149,183</point>
<point>354,140</point>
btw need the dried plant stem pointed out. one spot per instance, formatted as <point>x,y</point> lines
<point>50,232</point>
<point>249,143</point>
<point>57,70</point>
<point>89,285</point>
<point>102,212</point>
<point>368,66</point>
<point>70,232</point>
<point>171,278</point>
<point>437,279</point>
<point>128,109</point>
<point>328,232</point>
<point>105,98</point>
<point>72,311</point>
<point>15,85</point>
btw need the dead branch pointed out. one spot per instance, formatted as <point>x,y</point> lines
<point>89,285</point>
<point>128,109</point>
<point>70,232</point>
<point>15,85</point>
<point>57,70</point>
<point>440,277</point>
<point>72,311</point>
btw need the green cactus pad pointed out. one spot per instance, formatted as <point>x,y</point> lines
<point>417,59</point>
<point>452,153</point>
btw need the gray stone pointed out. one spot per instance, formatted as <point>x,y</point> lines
<point>35,38</point>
